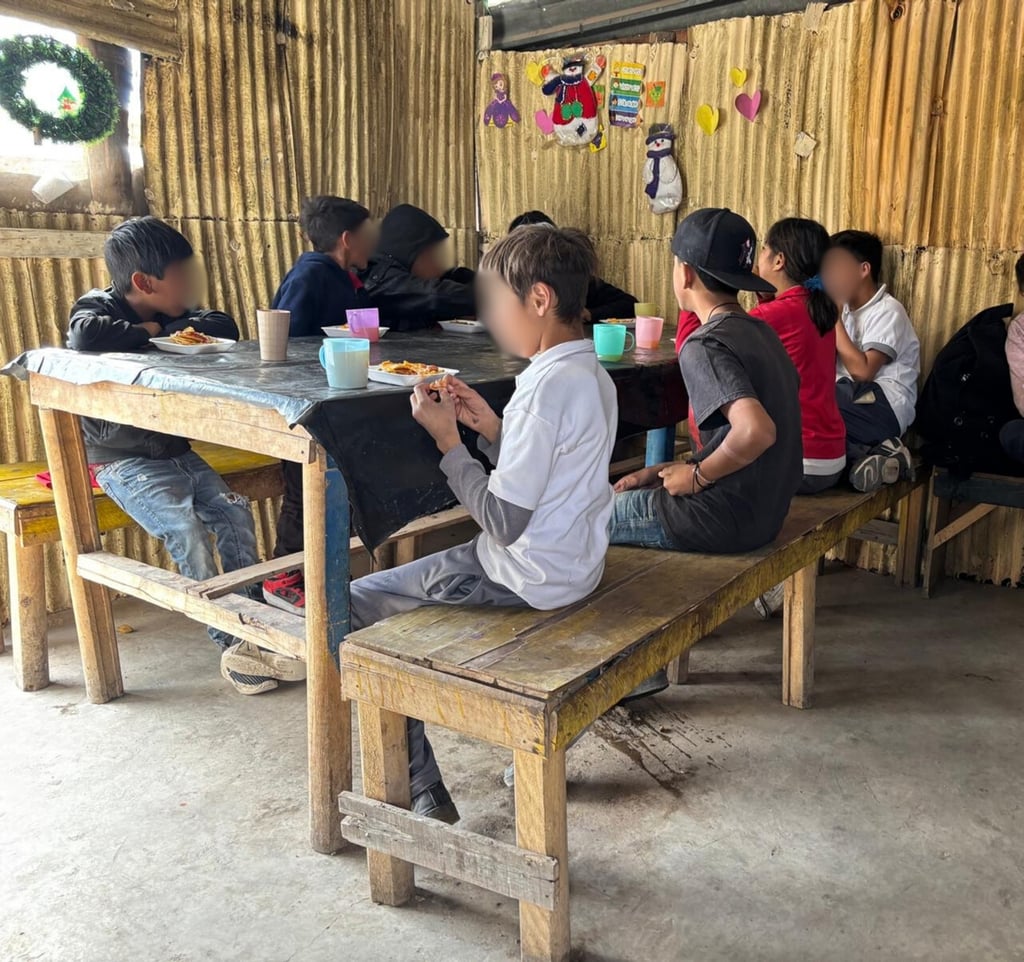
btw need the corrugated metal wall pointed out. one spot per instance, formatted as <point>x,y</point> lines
<point>268,103</point>
<point>918,124</point>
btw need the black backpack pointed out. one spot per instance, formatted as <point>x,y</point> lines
<point>967,398</point>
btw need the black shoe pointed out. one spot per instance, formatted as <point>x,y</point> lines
<point>651,686</point>
<point>435,802</point>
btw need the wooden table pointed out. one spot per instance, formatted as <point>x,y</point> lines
<point>204,412</point>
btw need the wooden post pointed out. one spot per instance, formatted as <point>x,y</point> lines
<point>110,170</point>
<point>679,669</point>
<point>384,746</point>
<point>934,566</point>
<point>406,550</point>
<point>908,547</point>
<point>27,576</point>
<point>798,637</point>
<point>329,716</point>
<point>76,513</point>
<point>541,827</point>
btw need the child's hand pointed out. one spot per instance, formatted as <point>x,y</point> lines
<point>678,479</point>
<point>437,415</point>
<point>644,478</point>
<point>471,409</point>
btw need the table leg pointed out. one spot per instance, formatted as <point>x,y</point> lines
<point>661,445</point>
<point>329,716</point>
<point>76,513</point>
<point>934,567</point>
<point>679,669</point>
<point>384,746</point>
<point>911,536</point>
<point>27,577</point>
<point>798,637</point>
<point>541,827</point>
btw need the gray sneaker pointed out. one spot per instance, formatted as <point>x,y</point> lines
<point>871,472</point>
<point>770,603</point>
<point>896,449</point>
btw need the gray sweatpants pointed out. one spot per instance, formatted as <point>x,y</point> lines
<point>452,577</point>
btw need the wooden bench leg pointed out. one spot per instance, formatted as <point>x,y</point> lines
<point>76,513</point>
<point>406,550</point>
<point>329,716</point>
<point>541,827</point>
<point>679,669</point>
<point>27,575</point>
<point>935,555</point>
<point>911,536</point>
<point>798,637</point>
<point>384,745</point>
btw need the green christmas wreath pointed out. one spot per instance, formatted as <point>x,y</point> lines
<point>96,115</point>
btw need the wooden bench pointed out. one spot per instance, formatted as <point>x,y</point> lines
<point>957,504</point>
<point>532,681</point>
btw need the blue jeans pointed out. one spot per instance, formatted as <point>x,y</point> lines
<point>635,521</point>
<point>180,501</point>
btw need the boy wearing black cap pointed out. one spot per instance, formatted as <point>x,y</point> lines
<point>407,281</point>
<point>744,410</point>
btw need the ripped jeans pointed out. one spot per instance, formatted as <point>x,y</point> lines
<point>180,501</point>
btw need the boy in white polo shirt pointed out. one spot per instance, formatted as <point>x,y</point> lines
<point>544,510</point>
<point>878,363</point>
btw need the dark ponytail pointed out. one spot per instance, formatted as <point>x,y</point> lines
<point>803,243</point>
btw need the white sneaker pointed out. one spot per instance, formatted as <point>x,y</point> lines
<point>246,658</point>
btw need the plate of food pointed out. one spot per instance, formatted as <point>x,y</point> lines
<point>407,373</point>
<point>341,330</point>
<point>629,322</point>
<point>463,325</point>
<point>191,341</point>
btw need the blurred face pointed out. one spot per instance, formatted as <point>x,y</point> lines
<point>431,264</point>
<point>358,245</point>
<point>174,293</point>
<point>682,284</point>
<point>843,274</point>
<point>516,325</point>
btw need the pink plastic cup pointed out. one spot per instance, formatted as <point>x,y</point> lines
<point>648,332</point>
<point>364,322</point>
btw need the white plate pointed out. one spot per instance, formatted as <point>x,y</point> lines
<point>627,322</point>
<point>345,332</point>
<point>407,380</point>
<point>219,346</point>
<point>464,326</point>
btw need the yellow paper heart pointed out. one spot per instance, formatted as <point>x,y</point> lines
<point>707,118</point>
<point>533,73</point>
<point>738,77</point>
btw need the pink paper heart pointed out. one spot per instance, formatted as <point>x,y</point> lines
<point>544,122</point>
<point>748,106</point>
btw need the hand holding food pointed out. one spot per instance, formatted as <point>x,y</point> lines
<point>436,415</point>
<point>472,410</point>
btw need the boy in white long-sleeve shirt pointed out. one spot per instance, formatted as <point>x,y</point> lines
<point>545,508</point>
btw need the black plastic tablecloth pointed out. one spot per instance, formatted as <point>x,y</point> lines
<point>389,462</point>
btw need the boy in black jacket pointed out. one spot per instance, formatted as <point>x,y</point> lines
<point>156,478</point>
<point>407,281</point>
<point>604,301</point>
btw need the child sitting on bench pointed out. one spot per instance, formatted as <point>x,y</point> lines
<point>544,510</point>
<point>879,361</point>
<point>157,479</point>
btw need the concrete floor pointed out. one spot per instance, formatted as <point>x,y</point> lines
<point>714,825</point>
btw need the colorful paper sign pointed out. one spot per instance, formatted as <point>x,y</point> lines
<point>626,94</point>
<point>599,92</point>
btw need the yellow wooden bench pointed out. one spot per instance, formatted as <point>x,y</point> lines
<point>28,519</point>
<point>532,681</point>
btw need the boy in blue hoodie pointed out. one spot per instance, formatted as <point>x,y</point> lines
<point>318,291</point>
<point>323,285</point>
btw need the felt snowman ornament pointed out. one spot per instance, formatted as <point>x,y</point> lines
<point>574,115</point>
<point>661,175</point>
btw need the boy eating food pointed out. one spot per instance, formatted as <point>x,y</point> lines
<point>544,510</point>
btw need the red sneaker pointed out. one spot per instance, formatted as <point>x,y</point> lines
<point>285,591</point>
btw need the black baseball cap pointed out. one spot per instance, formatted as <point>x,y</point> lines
<point>721,244</point>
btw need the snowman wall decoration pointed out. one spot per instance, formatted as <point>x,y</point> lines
<point>574,115</point>
<point>664,182</point>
